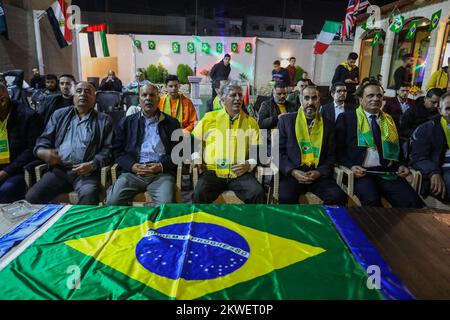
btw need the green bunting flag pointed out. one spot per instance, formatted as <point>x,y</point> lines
<point>151,45</point>
<point>137,44</point>
<point>435,18</point>
<point>234,47</point>
<point>397,24</point>
<point>248,47</point>
<point>176,47</point>
<point>219,47</point>
<point>412,30</point>
<point>190,47</point>
<point>205,47</point>
<point>376,39</point>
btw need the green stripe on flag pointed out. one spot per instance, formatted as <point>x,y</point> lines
<point>331,26</point>
<point>104,44</point>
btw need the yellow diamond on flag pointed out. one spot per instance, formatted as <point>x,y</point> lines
<point>189,256</point>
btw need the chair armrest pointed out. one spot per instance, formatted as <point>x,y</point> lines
<point>39,171</point>
<point>338,175</point>
<point>259,174</point>
<point>179,173</point>
<point>194,176</point>
<point>417,180</point>
<point>105,176</point>
<point>348,188</point>
<point>114,172</point>
<point>276,182</point>
<point>29,177</point>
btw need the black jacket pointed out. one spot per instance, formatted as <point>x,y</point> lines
<point>428,147</point>
<point>219,72</point>
<point>347,151</point>
<point>269,112</point>
<point>290,155</point>
<point>99,149</point>
<point>24,127</point>
<point>402,75</point>
<point>50,104</point>
<point>328,111</point>
<point>414,117</point>
<point>130,135</point>
<point>341,74</point>
<point>115,85</point>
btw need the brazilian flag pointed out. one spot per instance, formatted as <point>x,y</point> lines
<point>182,251</point>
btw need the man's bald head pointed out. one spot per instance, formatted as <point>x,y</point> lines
<point>84,95</point>
<point>149,99</point>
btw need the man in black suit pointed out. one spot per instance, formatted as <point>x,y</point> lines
<point>311,167</point>
<point>333,109</point>
<point>368,144</point>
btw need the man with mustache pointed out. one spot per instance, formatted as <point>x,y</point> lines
<point>142,148</point>
<point>229,139</point>
<point>333,109</point>
<point>76,144</point>
<point>368,144</point>
<point>307,153</point>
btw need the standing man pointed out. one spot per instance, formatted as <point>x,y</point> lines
<point>143,148</point>
<point>37,81</point>
<point>220,71</point>
<point>76,144</point>
<point>307,153</point>
<point>332,110</point>
<point>368,144</point>
<point>139,81</point>
<point>398,105</point>
<point>279,74</point>
<point>404,73</point>
<point>19,128</point>
<point>111,82</point>
<point>291,69</point>
<point>177,105</point>
<point>440,78</point>
<point>348,73</point>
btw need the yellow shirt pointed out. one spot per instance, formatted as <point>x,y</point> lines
<point>282,108</point>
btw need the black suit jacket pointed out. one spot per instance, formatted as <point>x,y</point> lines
<point>269,112</point>
<point>328,111</point>
<point>290,155</point>
<point>347,151</point>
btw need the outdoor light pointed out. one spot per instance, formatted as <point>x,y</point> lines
<point>285,55</point>
<point>164,49</point>
<point>165,61</point>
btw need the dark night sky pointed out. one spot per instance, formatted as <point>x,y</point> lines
<point>313,12</point>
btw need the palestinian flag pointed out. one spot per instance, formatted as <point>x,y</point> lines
<point>57,17</point>
<point>98,45</point>
<point>183,251</point>
<point>326,36</point>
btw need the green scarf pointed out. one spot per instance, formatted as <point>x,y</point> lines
<point>310,144</point>
<point>389,136</point>
<point>444,125</point>
<point>168,107</point>
<point>346,66</point>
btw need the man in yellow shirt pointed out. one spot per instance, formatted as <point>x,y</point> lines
<point>439,79</point>
<point>228,139</point>
<point>175,104</point>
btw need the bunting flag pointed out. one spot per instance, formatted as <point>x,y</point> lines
<point>234,47</point>
<point>397,24</point>
<point>98,44</point>
<point>3,26</point>
<point>326,36</point>
<point>376,39</point>
<point>137,44</point>
<point>184,251</point>
<point>435,18</point>
<point>152,45</point>
<point>219,47</point>
<point>175,47</point>
<point>57,17</point>
<point>247,97</point>
<point>206,48</point>
<point>190,47</point>
<point>412,30</point>
<point>248,47</point>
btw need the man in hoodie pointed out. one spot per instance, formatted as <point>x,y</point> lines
<point>220,71</point>
<point>439,78</point>
<point>348,73</point>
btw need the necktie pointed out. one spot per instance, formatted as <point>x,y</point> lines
<point>376,131</point>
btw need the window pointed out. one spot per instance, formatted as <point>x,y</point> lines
<point>270,27</point>
<point>255,27</point>
<point>445,52</point>
<point>370,57</point>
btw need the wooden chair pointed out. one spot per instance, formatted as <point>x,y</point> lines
<point>72,197</point>
<point>144,197</point>
<point>228,197</point>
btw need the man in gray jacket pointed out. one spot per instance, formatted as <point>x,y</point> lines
<point>76,144</point>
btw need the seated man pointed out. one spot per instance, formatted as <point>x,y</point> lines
<point>19,128</point>
<point>111,82</point>
<point>398,105</point>
<point>142,148</point>
<point>307,153</point>
<point>431,152</point>
<point>138,82</point>
<point>294,96</point>
<point>368,144</point>
<point>332,110</point>
<point>228,137</point>
<point>175,104</point>
<point>57,101</point>
<point>76,144</point>
<point>424,109</point>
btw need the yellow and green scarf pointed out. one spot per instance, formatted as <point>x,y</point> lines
<point>168,107</point>
<point>4,144</point>
<point>216,104</point>
<point>446,129</point>
<point>389,136</point>
<point>346,66</point>
<point>310,144</point>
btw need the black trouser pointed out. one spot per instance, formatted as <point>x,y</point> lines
<point>246,188</point>
<point>59,180</point>
<point>325,188</point>
<point>214,93</point>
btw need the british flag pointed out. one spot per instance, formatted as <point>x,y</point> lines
<point>354,8</point>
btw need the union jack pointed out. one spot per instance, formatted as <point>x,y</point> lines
<point>354,8</point>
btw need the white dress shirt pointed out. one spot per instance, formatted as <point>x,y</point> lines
<point>372,158</point>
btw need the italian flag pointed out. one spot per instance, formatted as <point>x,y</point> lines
<point>329,30</point>
<point>98,45</point>
<point>57,17</point>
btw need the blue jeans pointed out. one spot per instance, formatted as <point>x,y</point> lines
<point>12,189</point>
